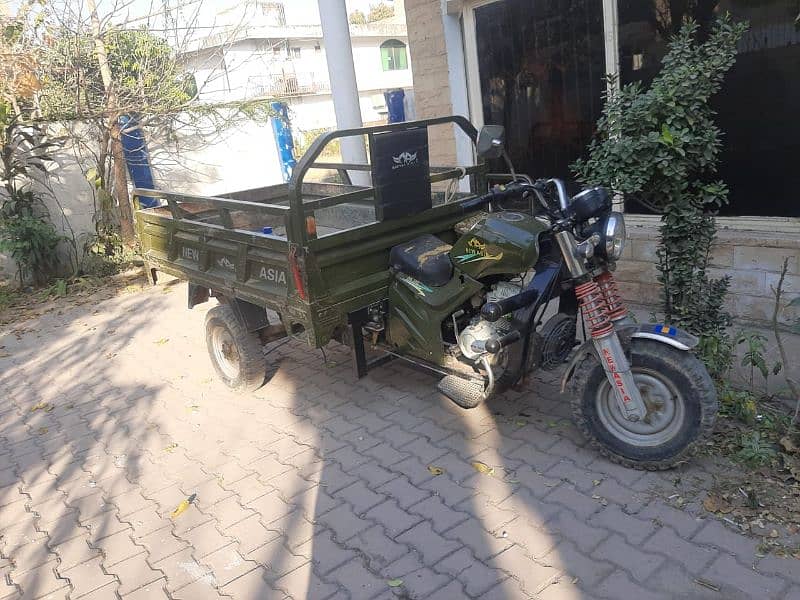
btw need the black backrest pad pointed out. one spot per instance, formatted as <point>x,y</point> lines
<point>400,173</point>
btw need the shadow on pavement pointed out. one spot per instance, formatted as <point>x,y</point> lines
<point>315,486</point>
<point>74,434</point>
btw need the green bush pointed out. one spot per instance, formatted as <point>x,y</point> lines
<point>32,242</point>
<point>660,147</point>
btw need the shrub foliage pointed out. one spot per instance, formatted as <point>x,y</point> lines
<point>660,146</point>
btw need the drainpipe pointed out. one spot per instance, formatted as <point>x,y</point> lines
<point>344,89</point>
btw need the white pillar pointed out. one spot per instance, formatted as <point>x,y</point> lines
<point>344,89</point>
<point>611,36</point>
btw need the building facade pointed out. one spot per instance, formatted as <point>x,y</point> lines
<point>279,52</point>
<point>539,68</point>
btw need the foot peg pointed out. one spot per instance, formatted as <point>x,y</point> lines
<point>461,391</point>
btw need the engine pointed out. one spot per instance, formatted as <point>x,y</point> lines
<point>472,339</point>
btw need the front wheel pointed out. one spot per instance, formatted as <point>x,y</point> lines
<point>681,407</point>
<point>236,353</point>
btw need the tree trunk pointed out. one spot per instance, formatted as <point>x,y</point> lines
<point>120,178</point>
<point>119,174</point>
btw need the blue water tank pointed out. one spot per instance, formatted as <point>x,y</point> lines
<point>394,104</point>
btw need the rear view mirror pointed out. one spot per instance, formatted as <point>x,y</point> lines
<point>491,141</point>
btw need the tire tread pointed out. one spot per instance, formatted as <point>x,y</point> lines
<point>695,372</point>
<point>252,361</point>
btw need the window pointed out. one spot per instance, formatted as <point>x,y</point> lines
<point>294,52</point>
<point>541,67</point>
<point>393,55</point>
<point>757,106</point>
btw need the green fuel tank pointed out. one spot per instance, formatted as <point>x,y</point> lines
<point>505,242</point>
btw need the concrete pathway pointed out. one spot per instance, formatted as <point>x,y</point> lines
<point>317,486</point>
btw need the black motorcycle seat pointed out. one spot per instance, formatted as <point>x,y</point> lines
<point>425,259</point>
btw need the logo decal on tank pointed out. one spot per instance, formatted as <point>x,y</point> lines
<point>415,285</point>
<point>477,251</point>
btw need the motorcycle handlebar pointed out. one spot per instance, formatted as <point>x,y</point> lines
<point>494,195</point>
<point>517,188</point>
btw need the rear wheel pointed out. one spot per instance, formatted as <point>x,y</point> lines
<point>236,353</point>
<point>681,406</point>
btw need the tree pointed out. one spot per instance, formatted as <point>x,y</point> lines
<point>92,73</point>
<point>357,17</point>
<point>380,11</point>
<point>100,75</point>
<point>660,147</point>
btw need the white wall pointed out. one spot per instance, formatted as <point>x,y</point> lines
<point>316,112</point>
<point>369,70</point>
<point>210,163</point>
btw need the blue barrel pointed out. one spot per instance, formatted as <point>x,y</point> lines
<point>394,104</point>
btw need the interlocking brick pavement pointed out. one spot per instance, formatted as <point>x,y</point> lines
<point>316,486</point>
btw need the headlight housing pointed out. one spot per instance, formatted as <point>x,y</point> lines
<point>612,236</point>
<point>590,203</point>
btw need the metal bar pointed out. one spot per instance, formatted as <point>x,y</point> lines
<point>381,360</point>
<point>369,192</point>
<point>454,173</point>
<point>216,202</point>
<point>360,367</point>
<point>312,205</point>
<point>225,218</point>
<point>340,165</point>
<point>297,231</point>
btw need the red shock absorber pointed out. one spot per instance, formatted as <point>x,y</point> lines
<point>595,309</point>
<point>616,307</point>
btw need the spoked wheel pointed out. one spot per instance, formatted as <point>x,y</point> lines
<point>235,353</point>
<point>679,396</point>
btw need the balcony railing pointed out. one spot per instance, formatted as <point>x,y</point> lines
<point>288,84</point>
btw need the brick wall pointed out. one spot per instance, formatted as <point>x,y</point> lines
<point>752,259</point>
<point>426,45</point>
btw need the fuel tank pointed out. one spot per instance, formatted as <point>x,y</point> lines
<point>505,242</point>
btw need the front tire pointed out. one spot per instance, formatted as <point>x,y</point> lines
<point>681,407</point>
<point>236,353</point>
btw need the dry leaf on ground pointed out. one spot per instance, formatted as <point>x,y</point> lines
<point>183,506</point>
<point>788,445</point>
<point>717,504</point>
<point>482,468</point>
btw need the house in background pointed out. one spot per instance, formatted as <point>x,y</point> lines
<point>277,51</point>
<point>538,67</point>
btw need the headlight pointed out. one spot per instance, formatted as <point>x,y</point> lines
<point>590,203</point>
<point>612,236</point>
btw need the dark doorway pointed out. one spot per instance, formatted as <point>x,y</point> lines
<point>542,66</point>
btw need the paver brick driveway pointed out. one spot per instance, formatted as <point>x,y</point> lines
<point>317,486</point>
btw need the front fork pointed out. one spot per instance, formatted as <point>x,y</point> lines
<point>602,306</point>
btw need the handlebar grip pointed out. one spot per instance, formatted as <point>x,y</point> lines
<point>494,345</point>
<point>492,311</point>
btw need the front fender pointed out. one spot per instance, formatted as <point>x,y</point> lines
<point>666,334</point>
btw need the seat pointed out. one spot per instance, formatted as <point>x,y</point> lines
<point>425,259</point>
